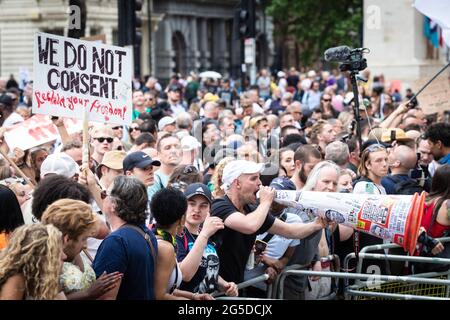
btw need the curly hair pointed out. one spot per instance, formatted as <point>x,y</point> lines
<point>130,199</point>
<point>216,178</point>
<point>55,187</point>
<point>34,251</point>
<point>71,217</point>
<point>439,132</point>
<point>166,215</point>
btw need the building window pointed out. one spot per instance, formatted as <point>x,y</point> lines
<point>210,37</point>
<point>115,37</point>
<point>96,30</point>
<point>56,31</point>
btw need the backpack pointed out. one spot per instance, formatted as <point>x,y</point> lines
<point>407,187</point>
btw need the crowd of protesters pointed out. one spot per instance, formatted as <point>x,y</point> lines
<point>170,206</point>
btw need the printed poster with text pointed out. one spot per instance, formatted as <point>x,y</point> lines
<point>74,75</point>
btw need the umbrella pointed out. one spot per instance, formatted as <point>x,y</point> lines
<point>210,74</point>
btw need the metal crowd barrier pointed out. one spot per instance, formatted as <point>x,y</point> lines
<point>277,288</point>
<point>424,286</point>
<point>395,288</point>
<point>346,275</point>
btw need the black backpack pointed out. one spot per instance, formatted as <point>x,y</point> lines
<point>407,187</point>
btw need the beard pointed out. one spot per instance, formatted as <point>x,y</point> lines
<point>302,176</point>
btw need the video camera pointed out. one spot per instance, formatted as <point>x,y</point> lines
<point>351,59</point>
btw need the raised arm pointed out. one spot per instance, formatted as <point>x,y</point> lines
<point>191,262</point>
<point>297,230</point>
<point>251,222</point>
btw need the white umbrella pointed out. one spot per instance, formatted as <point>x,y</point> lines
<point>210,74</point>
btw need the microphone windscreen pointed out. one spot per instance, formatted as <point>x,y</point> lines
<point>337,53</point>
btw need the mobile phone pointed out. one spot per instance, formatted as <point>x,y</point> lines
<point>260,246</point>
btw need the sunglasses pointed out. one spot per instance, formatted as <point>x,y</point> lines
<point>326,100</point>
<point>180,185</point>
<point>102,139</point>
<point>117,128</point>
<point>375,147</point>
<point>134,129</point>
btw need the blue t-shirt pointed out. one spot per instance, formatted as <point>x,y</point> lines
<point>206,278</point>
<point>125,250</point>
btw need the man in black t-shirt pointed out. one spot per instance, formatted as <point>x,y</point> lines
<point>244,218</point>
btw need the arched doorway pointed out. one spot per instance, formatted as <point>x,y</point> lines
<point>179,49</point>
<point>262,52</point>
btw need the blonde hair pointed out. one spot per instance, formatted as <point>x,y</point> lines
<point>34,251</point>
<point>216,178</point>
<point>71,217</point>
<point>346,118</point>
<point>365,156</point>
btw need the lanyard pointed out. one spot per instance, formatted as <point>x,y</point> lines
<point>167,237</point>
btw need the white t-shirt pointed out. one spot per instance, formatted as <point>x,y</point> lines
<point>278,245</point>
<point>367,187</point>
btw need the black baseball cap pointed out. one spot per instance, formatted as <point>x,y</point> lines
<point>138,159</point>
<point>6,100</point>
<point>198,189</point>
<point>282,183</point>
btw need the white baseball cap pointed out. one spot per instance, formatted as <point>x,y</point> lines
<point>60,163</point>
<point>235,168</point>
<point>189,143</point>
<point>165,121</point>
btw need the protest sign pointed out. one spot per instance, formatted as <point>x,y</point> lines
<point>37,130</point>
<point>435,97</point>
<point>72,75</point>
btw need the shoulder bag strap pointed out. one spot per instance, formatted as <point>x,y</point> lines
<point>146,237</point>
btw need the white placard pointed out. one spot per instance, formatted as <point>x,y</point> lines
<point>37,130</point>
<point>72,75</point>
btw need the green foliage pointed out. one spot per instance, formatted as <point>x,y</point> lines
<point>317,24</point>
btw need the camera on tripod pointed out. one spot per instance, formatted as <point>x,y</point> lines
<point>351,59</point>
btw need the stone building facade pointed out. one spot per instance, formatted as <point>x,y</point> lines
<point>393,31</point>
<point>198,35</point>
